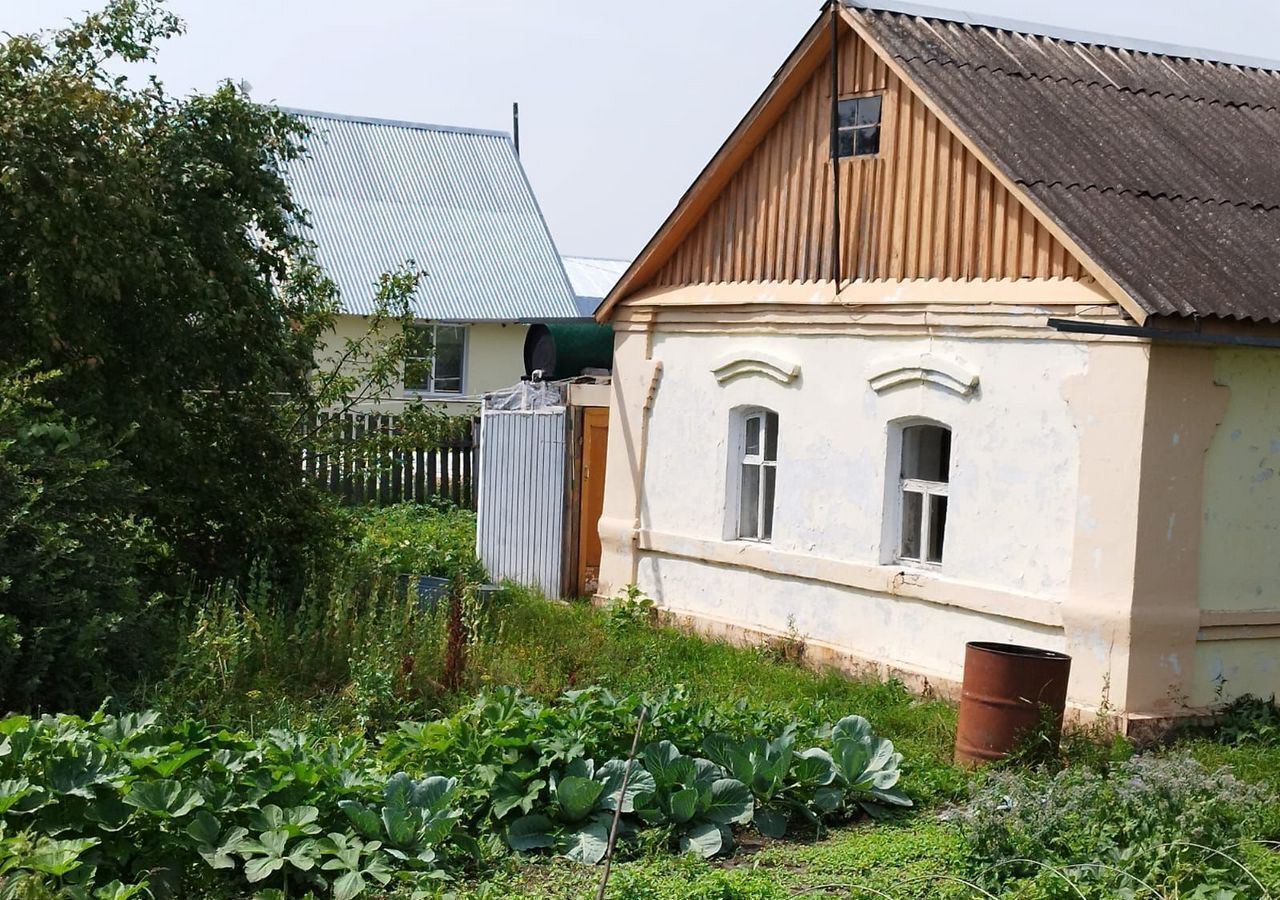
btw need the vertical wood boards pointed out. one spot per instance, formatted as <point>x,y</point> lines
<point>595,440</point>
<point>925,207</point>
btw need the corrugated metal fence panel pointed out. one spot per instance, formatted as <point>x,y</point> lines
<point>520,533</point>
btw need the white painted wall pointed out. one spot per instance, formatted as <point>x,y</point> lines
<point>1011,521</point>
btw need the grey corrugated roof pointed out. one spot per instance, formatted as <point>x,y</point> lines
<point>1162,167</point>
<point>454,200</point>
<point>593,278</point>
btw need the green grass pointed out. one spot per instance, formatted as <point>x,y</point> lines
<point>911,860</point>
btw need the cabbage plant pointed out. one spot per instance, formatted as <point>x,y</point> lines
<point>785,784</point>
<point>867,766</point>
<point>695,797</point>
<point>584,798</point>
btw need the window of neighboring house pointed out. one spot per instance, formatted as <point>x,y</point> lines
<point>926,476</point>
<point>857,127</point>
<point>434,361</point>
<point>758,474</point>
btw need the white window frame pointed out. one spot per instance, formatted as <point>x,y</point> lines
<point>761,464</point>
<point>430,390</point>
<point>926,490</point>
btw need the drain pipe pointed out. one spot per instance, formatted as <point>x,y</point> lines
<point>1075,326</point>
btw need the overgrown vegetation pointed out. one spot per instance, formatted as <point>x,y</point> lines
<point>163,334</point>
<point>773,768</point>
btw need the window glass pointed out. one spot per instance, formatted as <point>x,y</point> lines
<point>937,526</point>
<point>912,518</point>
<point>752,447</point>
<point>866,142</point>
<point>417,374</point>
<point>434,359</point>
<point>757,474</point>
<point>926,453</point>
<point>857,127</point>
<point>749,515</point>
<point>926,476</point>
<point>770,486</point>
<point>867,111</point>
<point>447,365</point>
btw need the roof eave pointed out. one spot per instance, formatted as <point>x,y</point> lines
<point>793,73</point>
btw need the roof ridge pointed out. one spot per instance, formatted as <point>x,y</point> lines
<point>1145,194</point>
<point>394,123</point>
<point>1089,82</point>
<point>1065,33</point>
<point>612,259</point>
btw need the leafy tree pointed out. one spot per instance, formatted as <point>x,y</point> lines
<point>70,553</point>
<point>150,251</point>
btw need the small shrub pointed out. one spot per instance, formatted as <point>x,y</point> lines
<point>1250,720</point>
<point>1145,820</point>
<point>630,610</point>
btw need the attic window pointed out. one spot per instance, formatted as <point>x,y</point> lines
<point>857,127</point>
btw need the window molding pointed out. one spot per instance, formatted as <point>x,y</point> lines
<point>923,368</point>
<point>737,365</point>
<point>430,393</point>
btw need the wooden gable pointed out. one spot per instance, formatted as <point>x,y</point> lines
<point>925,208</point>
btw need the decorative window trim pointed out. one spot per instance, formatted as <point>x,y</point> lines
<point>923,369</point>
<point>737,365</point>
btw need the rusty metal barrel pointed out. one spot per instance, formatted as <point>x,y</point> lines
<point>1009,693</point>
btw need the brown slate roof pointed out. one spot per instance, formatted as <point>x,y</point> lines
<point>1164,169</point>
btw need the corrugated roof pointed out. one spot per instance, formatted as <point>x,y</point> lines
<point>1161,167</point>
<point>593,278</point>
<point>454,200</point>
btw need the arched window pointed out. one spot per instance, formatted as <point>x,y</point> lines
<point>922,493</point>
<point>757,443</point>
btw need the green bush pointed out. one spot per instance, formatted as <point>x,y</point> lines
<point>172,808</point>
<point>408,539</point>
<point>73,615</point>
<point>1163,822</point>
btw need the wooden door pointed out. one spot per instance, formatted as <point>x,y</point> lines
<point>595,440</point>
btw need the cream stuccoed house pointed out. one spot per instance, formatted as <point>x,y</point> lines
<point>457,203</point>
<point>969,332</point>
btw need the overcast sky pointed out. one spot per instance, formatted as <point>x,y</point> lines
<point>622,103</point>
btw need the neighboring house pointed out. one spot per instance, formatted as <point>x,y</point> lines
<point>1024,387</point>
<point>592,279</point>
<point>455,201</point>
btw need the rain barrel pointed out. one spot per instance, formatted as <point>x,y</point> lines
<point>564,349</point>
<point>1009,692</point>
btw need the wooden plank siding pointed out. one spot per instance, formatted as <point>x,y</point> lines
<point>924,208</point>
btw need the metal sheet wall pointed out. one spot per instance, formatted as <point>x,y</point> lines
<point>520,532</point>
